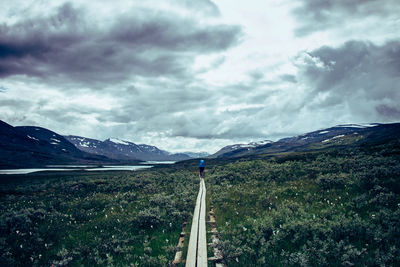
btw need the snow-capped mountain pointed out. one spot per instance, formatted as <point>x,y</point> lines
<point>30,146</point>
<point>236,147</point>
<point>120,149</point>
<point>340,135</point>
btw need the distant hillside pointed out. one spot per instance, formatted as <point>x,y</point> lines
<point>196,155</point>
<point>30,146</point>
<point>123,150</point>
<point>238,148</point>
<point>341,135</point>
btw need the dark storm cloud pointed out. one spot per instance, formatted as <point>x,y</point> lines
<point>389,112</point>
<point>360,73</point>
<point>68,46</point>
<point>315,15</point>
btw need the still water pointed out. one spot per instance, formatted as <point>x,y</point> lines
<point>76,168</point>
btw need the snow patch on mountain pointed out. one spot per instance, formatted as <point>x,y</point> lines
<point>118,141</point>
<point>84,144</point>
<point>335,137</point>
<point>360,125</point>
<point>30,137</point>
<point>259,143</point>
<point>338,136</point>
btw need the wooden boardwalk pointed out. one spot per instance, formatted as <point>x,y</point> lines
<point>197,249</point>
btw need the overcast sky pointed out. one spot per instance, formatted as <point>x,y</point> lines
<point>196,75</point>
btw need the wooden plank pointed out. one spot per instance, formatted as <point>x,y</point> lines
<point>202,239</point>
<point>191,258</point>
<point>197,249</point>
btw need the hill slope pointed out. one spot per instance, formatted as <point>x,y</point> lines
<point>341,135</point>
<point>332,207</point>
<point>123,150</point>
<point>30,146</point>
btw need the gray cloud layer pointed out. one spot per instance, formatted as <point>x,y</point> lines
<point>317,15</point>
<point>145,43</point>
<point>359,73</point>
<point>136,75</point>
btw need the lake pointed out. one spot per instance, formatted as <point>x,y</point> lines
<point>158,162</point>
<point>75,168</point>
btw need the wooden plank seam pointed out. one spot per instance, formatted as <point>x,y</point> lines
<point>197,249</point>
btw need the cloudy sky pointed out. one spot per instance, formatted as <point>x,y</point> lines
<point>195,75</point>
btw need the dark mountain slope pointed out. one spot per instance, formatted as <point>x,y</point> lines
<point>29,146</point>
<point>341,135</point>
<point>123,150</point>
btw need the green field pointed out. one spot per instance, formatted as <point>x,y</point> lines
<point>340,207</point>
<point>105,218</point>
<point>336,207</point>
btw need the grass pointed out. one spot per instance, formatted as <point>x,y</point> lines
<point>332,207</point>
<point>335,208</point>
<point>104,218</point>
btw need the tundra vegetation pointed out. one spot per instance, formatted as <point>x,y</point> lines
<point>339,207</point>
<point>335,207</point>
<point>105,219</point>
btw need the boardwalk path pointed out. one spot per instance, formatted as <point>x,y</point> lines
<point>197,249</point>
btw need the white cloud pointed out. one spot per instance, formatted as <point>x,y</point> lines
<point>196,75</point>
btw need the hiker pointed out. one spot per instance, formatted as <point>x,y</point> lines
<point>202,165</point>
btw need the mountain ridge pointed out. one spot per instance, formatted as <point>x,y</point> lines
<point>347,134</point>
<point>34,146</point>
<point>116,148</point>
<point>31,146</point>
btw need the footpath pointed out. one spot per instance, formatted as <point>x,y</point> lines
<point>197,248</point>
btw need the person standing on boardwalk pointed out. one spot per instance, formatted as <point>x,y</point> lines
<point>202,165</point>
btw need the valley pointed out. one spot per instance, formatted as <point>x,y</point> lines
<point>329,206</point>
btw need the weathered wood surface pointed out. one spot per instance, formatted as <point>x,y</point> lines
<point>179,247</point>
<point>197,249</point>
<point>202,243</point>
<point>218,257</point>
